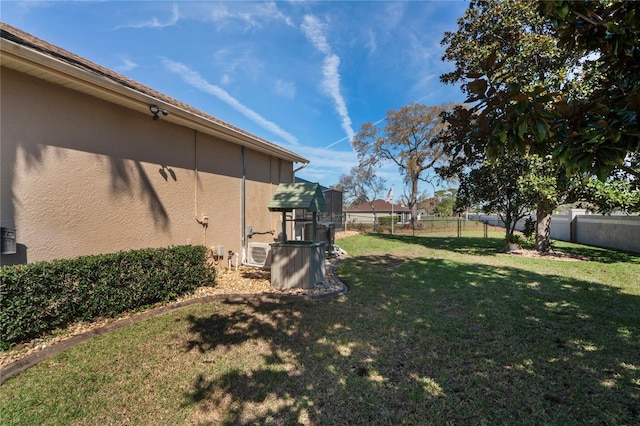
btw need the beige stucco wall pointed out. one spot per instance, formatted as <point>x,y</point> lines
<point>80,175</point>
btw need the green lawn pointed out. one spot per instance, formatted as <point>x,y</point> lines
<point>433,331</point>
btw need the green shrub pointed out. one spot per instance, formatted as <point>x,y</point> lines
<point>40,297</point>
<point>385,221</point>
<point>360,227</point>
<point>513,239</point>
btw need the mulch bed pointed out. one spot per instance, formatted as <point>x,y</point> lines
<point>236,285</point>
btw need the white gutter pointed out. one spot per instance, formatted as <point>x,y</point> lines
<point>41,65</point>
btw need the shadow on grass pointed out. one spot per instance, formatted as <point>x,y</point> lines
<point>597,254</point>
<point>479,246</point>
<point>427,341</point>
<point>464,245</point>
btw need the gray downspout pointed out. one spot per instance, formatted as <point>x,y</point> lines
<point>243,218</point>
<point>293,177</point>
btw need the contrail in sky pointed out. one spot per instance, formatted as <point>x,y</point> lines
<point>196,80</point>
<point>312,29</point>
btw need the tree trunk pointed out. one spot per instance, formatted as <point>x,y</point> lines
<point>414,218</point>
<point>508,225</point>
<point>375,217</point>
<point>543,227</point>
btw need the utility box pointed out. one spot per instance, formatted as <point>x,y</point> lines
<point>8,240</point>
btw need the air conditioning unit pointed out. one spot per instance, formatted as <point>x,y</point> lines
<point>259,255</point>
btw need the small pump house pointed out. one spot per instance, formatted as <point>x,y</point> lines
<point>297,264</point>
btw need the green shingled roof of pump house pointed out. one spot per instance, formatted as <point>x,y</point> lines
<point>291,196</point>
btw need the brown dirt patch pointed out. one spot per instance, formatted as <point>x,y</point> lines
<point>553,255</point>
<point>344,234</point>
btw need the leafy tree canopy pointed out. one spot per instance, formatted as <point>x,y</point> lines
<point>410,140</point>
<point>533,80</point>
<point>496,188</point>
<point>562,78</point>
<point>445,202</point>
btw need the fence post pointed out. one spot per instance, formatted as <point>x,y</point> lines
<point>573,223</point>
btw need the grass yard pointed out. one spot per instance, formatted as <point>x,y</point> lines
<point>433,331</point>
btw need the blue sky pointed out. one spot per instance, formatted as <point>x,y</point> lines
<point>305,75</point>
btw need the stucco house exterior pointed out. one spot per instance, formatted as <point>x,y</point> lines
<point>367,212</point>
<point>93,162</point>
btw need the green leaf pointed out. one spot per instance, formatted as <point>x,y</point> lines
<point>540,130</point>
<point>492,151</point>
<point>503,136</point>
<point>522,128</point>
<point>563,10</point>
<point>612,27</point>
<point>583,161</point>
<point>521,107</point>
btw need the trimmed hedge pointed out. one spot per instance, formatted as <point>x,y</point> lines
<point>385,220</point>
<point>40,297</point>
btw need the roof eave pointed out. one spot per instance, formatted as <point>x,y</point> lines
<point>40,65</point>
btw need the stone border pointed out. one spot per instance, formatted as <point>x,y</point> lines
<point>17,367</point>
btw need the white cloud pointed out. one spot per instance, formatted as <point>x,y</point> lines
<point>382,26</point>
<point>127,65</point>
<point>326,165</point>
<point>270,10</point>
<point>254,15</point>
<point>314,31</point>
<point>155,22</point>
<point>194,79</point>
<point>238,61</point>
<point>371,43</point>
<point>393,14</point>
<point>219,12</point>
<point>285,89</point>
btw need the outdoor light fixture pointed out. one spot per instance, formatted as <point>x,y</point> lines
<point>155,111</point>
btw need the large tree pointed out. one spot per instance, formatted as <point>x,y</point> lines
<point>501,46</point>
<point>577,97</point>
<point>495,187</point>
<point>599,129</point>
<point>547,185</point>
<point>514,186</point>
<point>445,202</point>
<point>410,140</point>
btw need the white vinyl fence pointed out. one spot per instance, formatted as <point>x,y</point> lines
<point>616,232</point>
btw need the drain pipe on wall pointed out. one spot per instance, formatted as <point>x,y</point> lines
<point>202,219</point>
<point>243,219</point>
<point>297,170</point>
